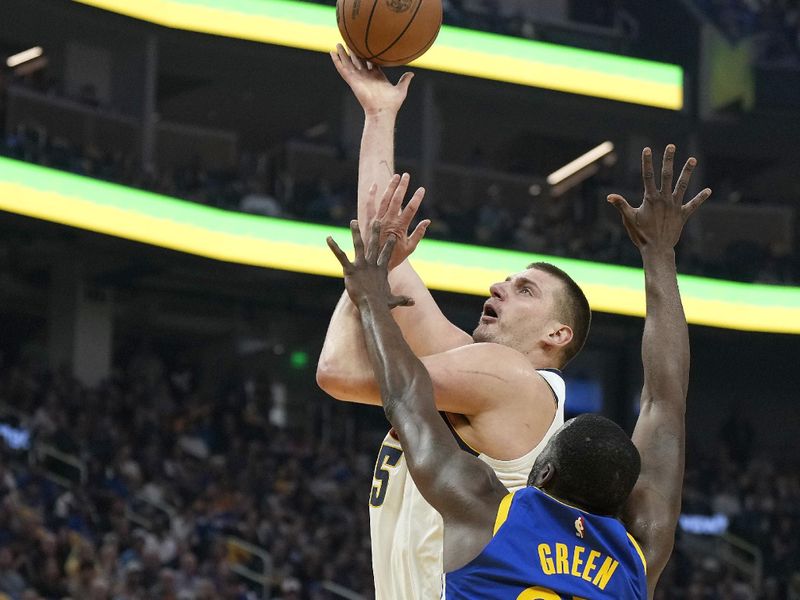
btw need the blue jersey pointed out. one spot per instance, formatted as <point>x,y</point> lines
<point>543,549</point>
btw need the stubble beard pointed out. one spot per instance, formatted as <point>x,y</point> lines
<point>483,334</point>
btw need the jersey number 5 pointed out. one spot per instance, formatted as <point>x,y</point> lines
<point>388,457</point>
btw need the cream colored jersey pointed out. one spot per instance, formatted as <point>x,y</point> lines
<point>406,531</point>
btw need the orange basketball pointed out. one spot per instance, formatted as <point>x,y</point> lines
<point>389,32</point>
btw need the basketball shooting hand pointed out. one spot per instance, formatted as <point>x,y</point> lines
<point>367,277</point>
<point>659,220</point>
<point>395,219</point>
<point>369,84</point>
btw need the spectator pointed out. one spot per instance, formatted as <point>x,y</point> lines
<point>566,227</point>
<point>257,486</point>
<point>11,582</point>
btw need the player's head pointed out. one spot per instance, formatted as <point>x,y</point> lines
<point>591,463</point>
<point>540,308</point>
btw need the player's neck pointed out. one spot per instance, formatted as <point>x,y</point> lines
<point>543,358</point>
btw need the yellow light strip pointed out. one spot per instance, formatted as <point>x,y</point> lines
<point>474,63</point>
<point>317,259</point>
<point>553,77</point>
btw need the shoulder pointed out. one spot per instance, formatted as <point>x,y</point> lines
<point>496,356</point>
<point>555,381</point>
<point>487,378</point>
<point>497,365</point>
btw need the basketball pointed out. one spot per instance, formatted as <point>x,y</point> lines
<point>389,32</point>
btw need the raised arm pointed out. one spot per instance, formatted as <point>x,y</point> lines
<point>462,488</point>
<point>426,329</point>
<point>651,513</point>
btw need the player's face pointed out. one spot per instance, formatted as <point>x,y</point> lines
<point>521,310</point>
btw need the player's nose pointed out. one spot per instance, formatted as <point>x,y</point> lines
<point>497,291</point>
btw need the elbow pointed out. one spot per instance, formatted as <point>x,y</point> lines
<point>323,377</point>
<point>330,379</point>
<point>342,384</point>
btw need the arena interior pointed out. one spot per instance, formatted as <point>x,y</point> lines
<point>167,180</point>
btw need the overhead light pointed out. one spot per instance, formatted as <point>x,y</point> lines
<point>570,182</point>
<point>580,163</point>
<point>24,56</point>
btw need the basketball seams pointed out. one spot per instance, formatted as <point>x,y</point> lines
<point>383,24</point>
<point>352,44</point>
<point>398,38</point>
<point>366,31</point>
<point>410,57</point>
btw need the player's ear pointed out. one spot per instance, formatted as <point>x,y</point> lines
<point>560,335</point>
<point>544,475</point>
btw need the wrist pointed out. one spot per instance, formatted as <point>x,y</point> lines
<point>368,302</point>
<point>657,253</point>
<point>380,115</point>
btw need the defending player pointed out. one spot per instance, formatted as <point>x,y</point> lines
<point>559,537</point>
<point>502,397</point>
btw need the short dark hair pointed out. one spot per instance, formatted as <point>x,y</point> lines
<point>574,311</point>
<point>596,464</point>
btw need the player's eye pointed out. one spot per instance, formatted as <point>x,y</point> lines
<point>528,291</point>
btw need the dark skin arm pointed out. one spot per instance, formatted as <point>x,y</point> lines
<point>463,489</point>
<point>652,510</point>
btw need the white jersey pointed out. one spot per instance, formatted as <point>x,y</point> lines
<point>406,531</point>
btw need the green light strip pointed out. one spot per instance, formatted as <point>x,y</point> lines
<point>289,245</point>
<point>463,51</point>
<point>469,40</point>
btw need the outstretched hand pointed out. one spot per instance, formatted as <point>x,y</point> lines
<point>659,220</point>
<point>395,219</point>
<point>367,278</point>
<point>369,84</point>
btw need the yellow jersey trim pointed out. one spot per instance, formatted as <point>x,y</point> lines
<point>638,551</point>
<point>502,512</point>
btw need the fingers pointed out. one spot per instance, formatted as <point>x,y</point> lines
<point>399,195</point>
<point>683,180</point>
<point>690,207</point>
<point>337,62</point>
<point>388,195</point>
<point>417,235</point>
<point>405,81</point>
<point>338,253</point>
<point>377,73</point>
<point>386,251</point>
<point>357,62</point>
<point>374,240</point>
<point>358,243</point>
<point>410,211</point>
<point>666,168</point>
<point>626,210</point>
<point>335,56</point>
<point>341,59</point>
<point>648,175</point>
<point>371,211</point>
<point>628,218</point>
<point>396,301</point>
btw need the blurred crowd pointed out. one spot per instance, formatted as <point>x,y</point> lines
<point>760,500</point>
<point>222,188</point>
<point>522,18</point>
<point>569,228</point>
<point>775,24</point>
<point>148,438</point>
<point>223,467</point>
